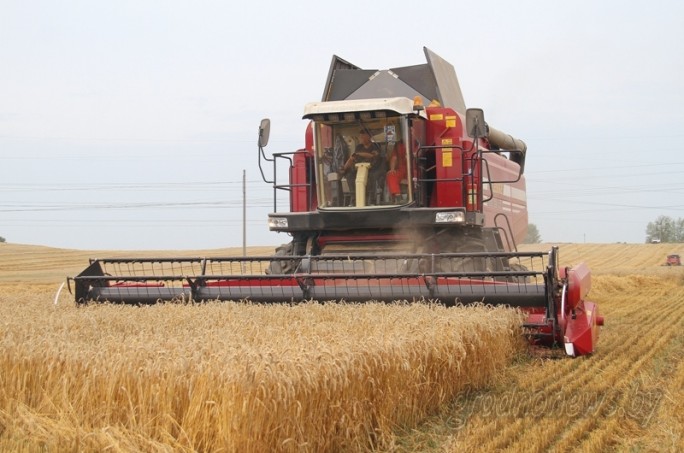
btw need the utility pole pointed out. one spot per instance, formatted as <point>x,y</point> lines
<point>244,213</point>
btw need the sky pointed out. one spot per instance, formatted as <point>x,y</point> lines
<point>130,124</point>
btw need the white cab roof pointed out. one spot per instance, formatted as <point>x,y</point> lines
<point>401,105</point>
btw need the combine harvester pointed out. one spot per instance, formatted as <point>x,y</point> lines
<point>400,193</point>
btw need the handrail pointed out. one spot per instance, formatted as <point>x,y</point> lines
<point>510,230</point>
<point>289,185</point>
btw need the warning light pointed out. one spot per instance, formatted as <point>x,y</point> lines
<point>418,103</point>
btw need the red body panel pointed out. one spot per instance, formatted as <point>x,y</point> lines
<point>579,284</point>
<point>582,329</point>
<point>303,193</point>
<point>445,131</point>
<point>506,198</point>
<point>303,190</point>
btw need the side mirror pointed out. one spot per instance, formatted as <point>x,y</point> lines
<point>475,123</point>
<point>264,131</point>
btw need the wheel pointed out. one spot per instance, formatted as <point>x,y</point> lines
<point>515,267</point>
<point>463,243</point>
<point>281,267</point>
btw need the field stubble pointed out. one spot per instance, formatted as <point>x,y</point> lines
<point>625,397</point>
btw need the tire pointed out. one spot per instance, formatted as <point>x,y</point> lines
<point>283,267</point>
<point>464,244</point>
<point>515,267</point>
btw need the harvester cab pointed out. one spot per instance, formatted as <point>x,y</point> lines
<point>399,193</point>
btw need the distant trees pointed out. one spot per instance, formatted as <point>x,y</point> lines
<point>665,229</point>
<point>533,236</point>
<point>2,239</point>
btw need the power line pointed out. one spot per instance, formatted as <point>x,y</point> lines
<point>610,167</point>
<point>35,207</point>
<point>89,187</point>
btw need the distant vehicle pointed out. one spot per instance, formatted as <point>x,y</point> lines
<point>673,260</point>
<point>655,241</point>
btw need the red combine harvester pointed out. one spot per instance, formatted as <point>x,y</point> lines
<point>673,260</point>
<point>400,193</point>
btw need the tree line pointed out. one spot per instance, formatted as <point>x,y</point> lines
<point>533,236</point>
<point>665,229</point>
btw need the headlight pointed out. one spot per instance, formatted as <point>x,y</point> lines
<point>277,222</point>
<point>449,217</point>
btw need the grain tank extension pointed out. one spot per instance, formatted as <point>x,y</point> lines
<point>399,193</point>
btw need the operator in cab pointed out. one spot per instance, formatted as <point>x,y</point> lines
<point>366,151</point>
<point>369,153</point>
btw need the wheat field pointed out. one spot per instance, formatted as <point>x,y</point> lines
<point>330,377</point>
